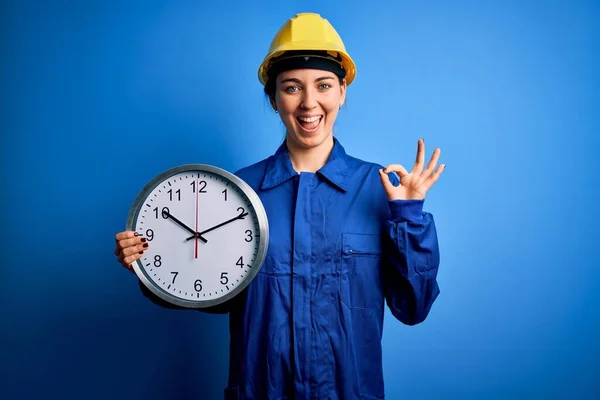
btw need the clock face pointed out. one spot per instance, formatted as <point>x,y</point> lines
<point>207,234</point>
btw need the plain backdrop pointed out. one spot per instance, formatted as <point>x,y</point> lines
<point>98,97</point>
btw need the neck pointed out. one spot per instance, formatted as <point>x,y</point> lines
<point>309,160</point>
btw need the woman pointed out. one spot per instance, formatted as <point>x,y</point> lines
<point>345,239</point>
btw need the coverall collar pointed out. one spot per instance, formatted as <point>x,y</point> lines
<point>335,170</point>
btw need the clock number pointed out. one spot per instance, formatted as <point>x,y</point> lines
<point>150,234</point>
<point>241,210</point>
<point>240,262</point>
<point>225,193</point>
<point>164,213</point>
<point>157,261</point>
<point>174,276</point>
<point>198,285</point>
<point>224,279</point>
<point>171,194</point>
<point>201,186</point>
<point>249,237</point>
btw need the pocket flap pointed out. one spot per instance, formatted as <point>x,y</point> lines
<point>361,243</point>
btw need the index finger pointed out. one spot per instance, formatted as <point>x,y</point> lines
<point>125,235</point>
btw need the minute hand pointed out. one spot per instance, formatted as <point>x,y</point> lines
<point>241,216</point>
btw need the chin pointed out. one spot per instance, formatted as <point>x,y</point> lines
<point>311,141</point>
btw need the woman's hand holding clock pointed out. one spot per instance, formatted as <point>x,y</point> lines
<point>129,247</point>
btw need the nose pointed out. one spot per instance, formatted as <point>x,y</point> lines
<point>309,99</point>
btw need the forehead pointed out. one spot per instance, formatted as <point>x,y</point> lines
<point>305,74</point>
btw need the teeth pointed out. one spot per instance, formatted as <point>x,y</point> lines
<point>309,119</point>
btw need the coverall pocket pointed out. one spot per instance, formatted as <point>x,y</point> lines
<point>360,281</point>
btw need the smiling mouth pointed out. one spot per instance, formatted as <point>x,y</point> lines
<point>310,124</point>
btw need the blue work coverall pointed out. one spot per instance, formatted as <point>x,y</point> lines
<point>309,326</point>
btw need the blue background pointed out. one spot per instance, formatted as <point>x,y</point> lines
<point>99,97</point>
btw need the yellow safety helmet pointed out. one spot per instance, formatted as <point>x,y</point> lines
<point>310,32</point>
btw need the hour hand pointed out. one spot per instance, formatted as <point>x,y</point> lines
<point>167,214</point>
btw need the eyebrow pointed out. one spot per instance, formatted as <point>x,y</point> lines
<point>295,80</point>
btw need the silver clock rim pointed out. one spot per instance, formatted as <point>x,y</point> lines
<point>263,225</point>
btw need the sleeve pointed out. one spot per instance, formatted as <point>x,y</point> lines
<point>223,308</point>
<point>411,261</point>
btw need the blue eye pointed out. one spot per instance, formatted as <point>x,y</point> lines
<point>291,89</point>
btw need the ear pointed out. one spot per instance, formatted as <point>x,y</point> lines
<point>273,103</point>
<point>343,87</point>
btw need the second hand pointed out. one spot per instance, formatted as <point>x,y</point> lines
<point>196,218</point>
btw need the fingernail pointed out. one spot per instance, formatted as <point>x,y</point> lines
<point>143,240</point>
<point>141,252</point>
<point>136,234</point>
<point>145,245</point>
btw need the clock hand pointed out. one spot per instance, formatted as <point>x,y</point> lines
<point>241,216</point>
<point>199,235</point>
<point>195,234</point>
